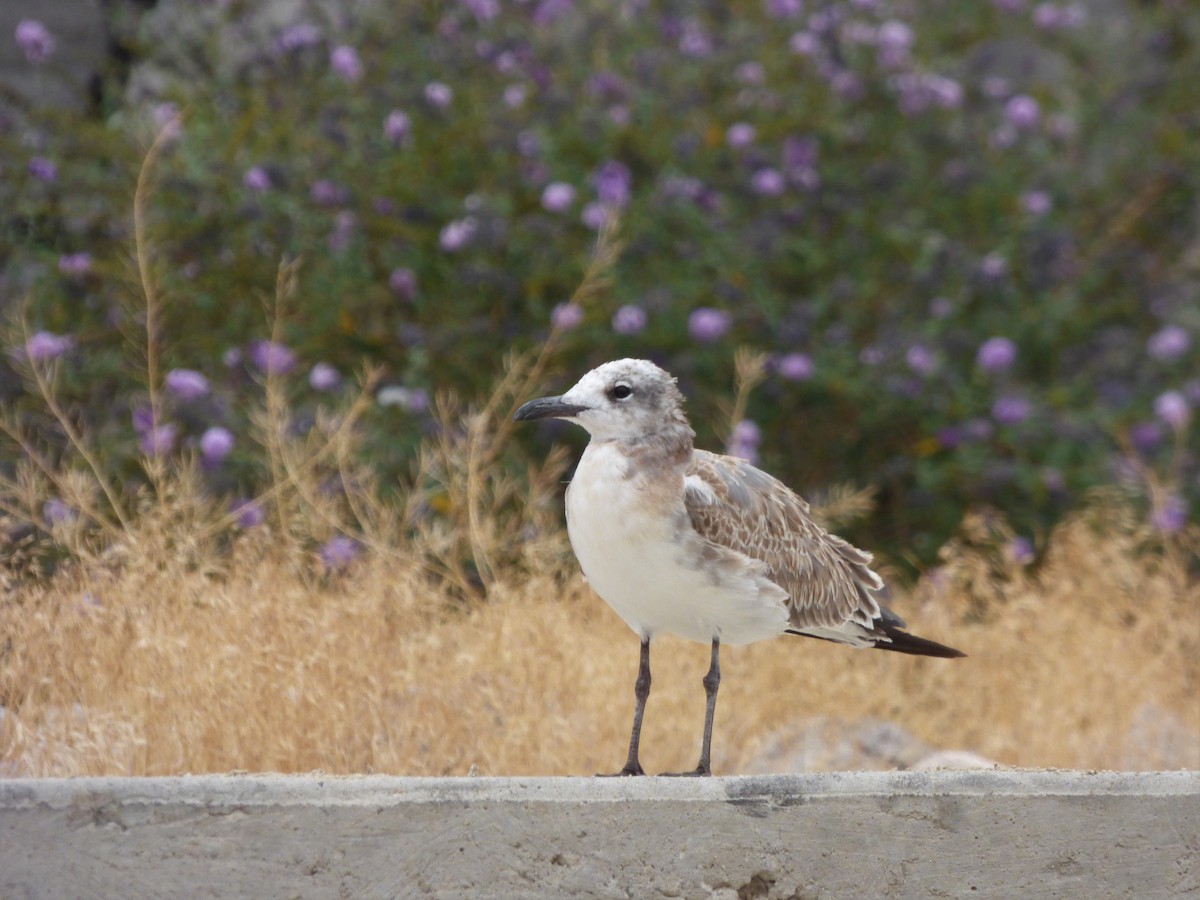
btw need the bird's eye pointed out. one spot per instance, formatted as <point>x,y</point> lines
<point>620,391</point>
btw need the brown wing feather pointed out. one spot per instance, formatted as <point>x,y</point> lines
<point>736,505</point>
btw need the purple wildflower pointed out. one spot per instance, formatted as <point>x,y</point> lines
<point>795,367</point>
<point>1020,550</point>
<point>978,430</point>
<point>707,325</point>
<point>438,95</point>
<point>35,40</point>
<point>996,354</point>
<point>414,400</point>
<point>57,512</point>
<point>1010,410</point>
<point>594,215</point>
<point>44,346</point>
<point>993,266</point>
<point>397,126</point>
<point>75,265</point>
<point>328,193</point>
<point>613,183</point>
<point>941,307</point>
<point>457,234</point>
<point>804,43</point>
<point>1172,407</point>
<point>158,440</point>
<point>272,358</point>
<point>895,41</point>
<point>345,62</point>
<point>187,384</point>
<point>629,320</point>
<point>297,37</point>
<point>744,441</point>
<point>482,10</point>
<point>344,224</point>
<point>256,179</point>
<point>43,169</point>
<point>566,316</point>
<point>768,182</point>
<point>338,552</point>
<point>550,10</point>
<point>250,513</point>
<point>1145,436</point>
<point>921,359</point>
<point>1022,111</point>
<point>750,72</point>
<point>403,283</point>
<point>1036,203</point>
<point>324,377</point>
<point>740,135</point>
<point>558,196</point>
<point>784,9</point>
<point>515,96</point>
<point>1169,343</point>
<point>1170,514</point>
<point>215,444</point>
<point>695,40</point>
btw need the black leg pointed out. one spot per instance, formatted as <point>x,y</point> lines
<point>641,690</point>
<point>711,682</point>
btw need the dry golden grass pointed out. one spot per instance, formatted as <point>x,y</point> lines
<point>159,666</point>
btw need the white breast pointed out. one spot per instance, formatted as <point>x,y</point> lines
<point>633,541</point>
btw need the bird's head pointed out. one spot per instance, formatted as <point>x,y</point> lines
<point>628,399</point>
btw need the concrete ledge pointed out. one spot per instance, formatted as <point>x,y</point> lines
<point>954,834</point>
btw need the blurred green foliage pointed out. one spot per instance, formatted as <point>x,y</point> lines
<point>919,178</point>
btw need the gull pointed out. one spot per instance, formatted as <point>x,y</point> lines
<point>707,547</point>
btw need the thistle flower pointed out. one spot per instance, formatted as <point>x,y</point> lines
<point>613,183</point>
<point>186,384</point>
<point>1172,407</point>
<point>345,62</point>
<point>438,95</point>
<point>707,325</point>
<point>558,196</point>
<point>1010,410</point>
<point>457,234</point>
<point>75,265</point>
<point>629,320</point>
<point>35,41</point>
<point>768,182</point>
<point>1022,111</point>
<point>338,552</point>
<point>1169,343</point>
<point>566,316</point>
<point>272,358</point>
<point>740,135</point>
<point>43,169</point>
<point>44,346</point>
<point>324,377</point>
<point>256,179</point>
<point>215,444</point>
<point>158,440</point>
<point>795,367</point>
<point>996,354</point>
<point>403,283</point>
<point>250,513</point>
<point>397,126</point>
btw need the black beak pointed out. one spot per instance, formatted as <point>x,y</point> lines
<point>547,408</point>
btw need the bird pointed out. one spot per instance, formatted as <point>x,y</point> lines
<point>679,540</point>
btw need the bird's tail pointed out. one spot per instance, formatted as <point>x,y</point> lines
<point>903,642</point>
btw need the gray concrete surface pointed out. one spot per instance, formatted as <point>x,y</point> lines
<point>999,833</point>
